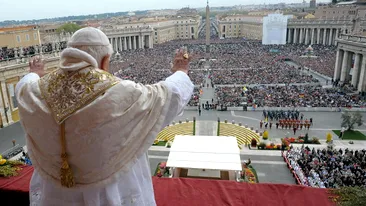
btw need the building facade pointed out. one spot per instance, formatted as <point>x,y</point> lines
<point>312,3</point>
<point>23,36</point>
<point>130,38</point>
<point>350,64</point>
<point>141,34</point>
<point>247,26</point>
<point>341,11</point>
<point>316,31</point>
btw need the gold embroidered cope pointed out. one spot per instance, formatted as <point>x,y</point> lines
<point>67,92</point>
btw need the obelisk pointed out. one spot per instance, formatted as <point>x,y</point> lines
<point>208,31</point>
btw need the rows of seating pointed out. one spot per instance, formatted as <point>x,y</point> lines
<point>243,135</point>
<point>169,132</point>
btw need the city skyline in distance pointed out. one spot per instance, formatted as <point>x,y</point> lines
<point>41,9</point>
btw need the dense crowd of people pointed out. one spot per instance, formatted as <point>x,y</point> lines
<point>329,168</point>
<point>288,96</point>
<point>235,62</point>
<point>278,74</point>
<point>11,53</point>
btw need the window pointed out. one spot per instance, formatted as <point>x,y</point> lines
<point>27,37</point>
<point>18,38</point>
<point>35,36</point>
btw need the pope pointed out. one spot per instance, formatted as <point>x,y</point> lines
<point>88,132</point>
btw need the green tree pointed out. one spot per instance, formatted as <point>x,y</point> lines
<point>350,119</point>
<point>68,27</point>
<point>334,1</point>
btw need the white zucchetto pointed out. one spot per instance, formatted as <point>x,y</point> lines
<point>88,36</point>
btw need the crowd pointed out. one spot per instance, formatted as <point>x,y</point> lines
<point>234,62</point>
<point>11,53</point>
<point>324,62</point>
<point>277,74</point>
<point>329,168</point>
<point>287,96</point>
<point>195,100</point>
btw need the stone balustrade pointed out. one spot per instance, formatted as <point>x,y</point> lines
<point>124,31</point>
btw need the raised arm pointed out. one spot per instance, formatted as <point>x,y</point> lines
<point>179,85</point>
<point>36,65</point>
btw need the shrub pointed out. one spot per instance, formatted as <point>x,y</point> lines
<point>315,140</point>
<point>261,145</point>
<point>306,138</point>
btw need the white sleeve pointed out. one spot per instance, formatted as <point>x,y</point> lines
<point>26,79</point>
<point>182,89</point>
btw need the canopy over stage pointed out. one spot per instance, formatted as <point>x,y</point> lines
<point>205,152</point>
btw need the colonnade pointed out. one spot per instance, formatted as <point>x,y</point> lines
<point>325,36</point>
<point>350,68</point>
<point>123,43</point>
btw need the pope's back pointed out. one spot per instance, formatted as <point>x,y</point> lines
<point>88,132</point>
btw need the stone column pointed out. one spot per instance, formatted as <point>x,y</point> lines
<point>6,102</point>
<point>140,42</point>
<point>112,43</point>
<point>362,81</point>
<point>318,36</point>
<point>151,45</point>
<point>288,35</point>
<point>120,43</point>
<point>325,37</point>
<point>301,36</point>
<point>295,36</point>
<point>124,43</point>
<point>136,43</point>
<point>2,111</point>
<point>307,36</point>
<point>338,64</point>
<point>330,36</point>
<point>356,70</point>
<point>129,43</point>
<point>116,44</point>
<point>312,36</point>
<point>344,66</point>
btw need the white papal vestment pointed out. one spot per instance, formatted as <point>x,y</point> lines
<point>107,141</point>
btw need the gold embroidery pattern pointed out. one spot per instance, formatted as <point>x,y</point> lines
<point>65,93</point>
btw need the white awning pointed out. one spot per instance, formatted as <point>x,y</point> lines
<point>205,152</point>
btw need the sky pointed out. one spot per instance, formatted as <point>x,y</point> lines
<point>38,9</point>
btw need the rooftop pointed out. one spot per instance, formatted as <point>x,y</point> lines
<point>19,28</point>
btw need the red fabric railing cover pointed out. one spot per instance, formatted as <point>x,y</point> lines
<point>186,191</point>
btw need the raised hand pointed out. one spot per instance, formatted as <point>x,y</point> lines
<point>36,65</point>
<point>181,61</point>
